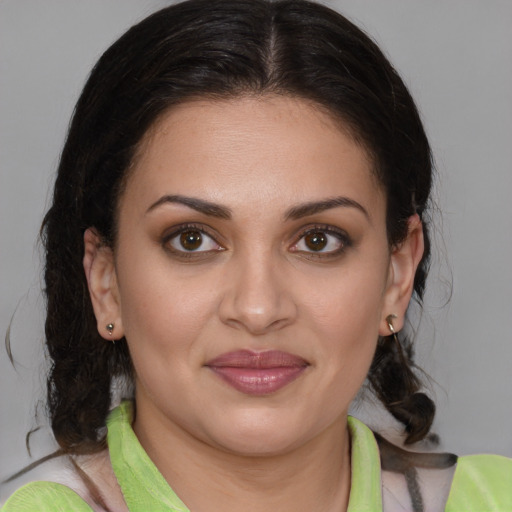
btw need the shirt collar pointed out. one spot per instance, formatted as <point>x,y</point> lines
<point>144,488</point>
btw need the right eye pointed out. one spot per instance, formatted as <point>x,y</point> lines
<point>192,240</point>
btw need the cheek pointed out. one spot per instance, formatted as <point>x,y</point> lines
<point>345,312</point>
<point>161,309</point>
<point>349,299</point>
<point>165,320</point>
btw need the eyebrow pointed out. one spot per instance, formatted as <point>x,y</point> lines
<point>294,213</point>
<point>200,205</point>
<point>303,210</point>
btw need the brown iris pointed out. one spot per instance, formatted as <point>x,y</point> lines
<point>316,241</point>
<point>191,240</point>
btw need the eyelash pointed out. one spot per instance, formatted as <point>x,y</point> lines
<point>184,254</point>
<point>342,237</point>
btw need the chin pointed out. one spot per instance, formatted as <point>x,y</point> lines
<point>259,444</point>
<point>262,435</point>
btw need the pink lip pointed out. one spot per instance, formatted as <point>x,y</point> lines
<point>258,373</point>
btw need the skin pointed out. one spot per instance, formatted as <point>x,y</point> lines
<point>257,285</point>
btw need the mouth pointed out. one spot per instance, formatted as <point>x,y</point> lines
<point>258,373</point>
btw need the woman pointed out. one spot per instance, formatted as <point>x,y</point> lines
<point>238,225</point>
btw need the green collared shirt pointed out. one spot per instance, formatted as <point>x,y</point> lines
<point>482,483</point>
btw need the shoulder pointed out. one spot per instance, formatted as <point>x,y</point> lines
<point>481,482</point>
<point>45,497</point>
<point>88,485</point>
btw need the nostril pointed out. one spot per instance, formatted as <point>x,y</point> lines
<point>258,323</point>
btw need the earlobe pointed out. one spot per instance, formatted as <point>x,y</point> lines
<point>100,273</point>
<point>404,262</point>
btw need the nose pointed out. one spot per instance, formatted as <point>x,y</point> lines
<point>257,298</point>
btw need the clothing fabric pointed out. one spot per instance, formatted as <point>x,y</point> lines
<point>481,483</point>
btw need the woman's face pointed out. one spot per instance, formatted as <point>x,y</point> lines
<point>252,274</point>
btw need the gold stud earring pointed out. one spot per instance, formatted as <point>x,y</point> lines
<point>110,330</point>
<point>389,321</point>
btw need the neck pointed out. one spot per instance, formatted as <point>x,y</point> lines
<point>314,476</point>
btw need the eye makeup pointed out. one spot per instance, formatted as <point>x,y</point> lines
<point>321,241</point>
<point>191,241</point>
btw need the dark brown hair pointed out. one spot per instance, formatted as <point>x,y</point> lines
<point>218,49</point>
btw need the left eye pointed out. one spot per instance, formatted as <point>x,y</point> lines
<point>320,241</point>
<point>193,240</point>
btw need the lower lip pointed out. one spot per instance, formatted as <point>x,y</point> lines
<point>258,381</point>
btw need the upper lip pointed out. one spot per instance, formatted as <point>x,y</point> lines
<point>257,360</point>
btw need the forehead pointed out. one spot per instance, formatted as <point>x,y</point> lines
<point>277,149</point>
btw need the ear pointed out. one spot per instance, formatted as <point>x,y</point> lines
<point>402,268</point>
<point>102,282</point>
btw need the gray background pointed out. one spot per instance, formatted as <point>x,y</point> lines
<point>455,55</point>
